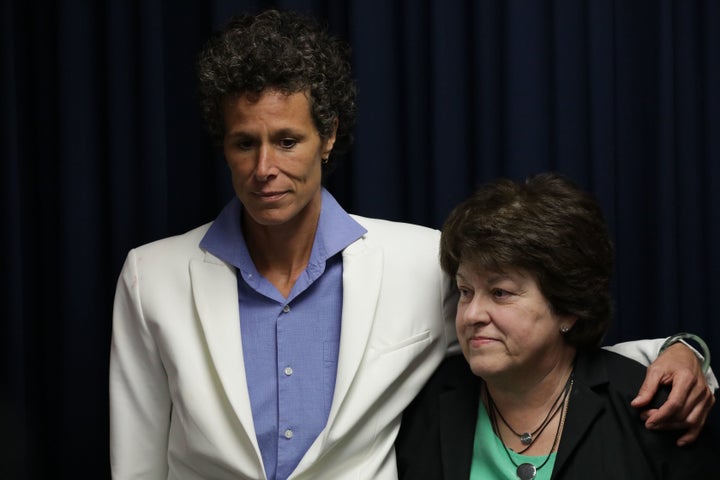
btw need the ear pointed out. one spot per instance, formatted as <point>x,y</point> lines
<point>330,141</point>
<point>567,322</point>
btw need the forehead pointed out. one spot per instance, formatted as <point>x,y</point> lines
<point>470,271</point>
<point>268,106</point>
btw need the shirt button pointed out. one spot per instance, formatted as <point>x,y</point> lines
<point>288,434</point>
<point>286,308</point>
<point>288,371</point>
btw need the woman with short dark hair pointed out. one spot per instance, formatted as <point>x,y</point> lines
<point>534,396</point>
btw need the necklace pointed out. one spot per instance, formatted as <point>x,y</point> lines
<point>527,471</point>
<point>528,438</point>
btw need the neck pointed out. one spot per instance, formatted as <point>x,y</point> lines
<point>534,387</point>
<point>281,252</point>
<point>527,405</point>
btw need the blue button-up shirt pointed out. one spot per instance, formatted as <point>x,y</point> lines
<point>290,345</point>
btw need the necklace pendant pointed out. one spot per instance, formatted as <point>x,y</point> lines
<point>526,471</point>
<point>526,438</point>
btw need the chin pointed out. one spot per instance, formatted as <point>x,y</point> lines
<point>270,217</point>
<point>478,368</point>
<point>271,221</point>
<point>482,368</point>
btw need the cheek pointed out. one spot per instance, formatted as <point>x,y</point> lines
<point>316,170</point>
<point>238,167</point>
<point>308,174</point>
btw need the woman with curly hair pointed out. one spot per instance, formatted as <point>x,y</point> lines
<point>285,338</point>
<point>286,53</point>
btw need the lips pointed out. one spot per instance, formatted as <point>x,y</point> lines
<point>270,196</point>
<point>479,341</point>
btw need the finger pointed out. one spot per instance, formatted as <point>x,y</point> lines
<point>699,415</point>
<point>671,426</point>
<point>697,424</point>
<point>648,416</point>
<point>677,407</point>
<point>696,418</point>
<point>648,388</point>
<point>672,410</point>
<point>697,406</point>
<point>689,437</point>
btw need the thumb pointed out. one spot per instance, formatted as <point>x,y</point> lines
<point>647,389</point>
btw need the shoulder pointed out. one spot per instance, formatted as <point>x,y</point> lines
<point>619,375</point>
<point>623,372</point>
<point>185,244</point>
<point>379,226</point>
<point>391,235</point>
<point>626,375</point>
<point>453,374</point>
<point>186,241</point>
<point>452,371</point>
<point>614,381</point>
<point>161,255</point>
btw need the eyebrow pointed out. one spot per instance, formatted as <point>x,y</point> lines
<point>494,277</point>
<point>289,132</point>
<point>282,133</point>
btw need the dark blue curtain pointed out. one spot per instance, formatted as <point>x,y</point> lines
<point>103,149</point>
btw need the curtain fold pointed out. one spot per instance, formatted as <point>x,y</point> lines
<point>103,149</point>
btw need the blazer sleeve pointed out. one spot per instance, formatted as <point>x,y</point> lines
<point>646,351</point>
<point>139,397</point>
<point>450,299</point>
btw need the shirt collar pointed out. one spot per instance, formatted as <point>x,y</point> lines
<point>336,230</point>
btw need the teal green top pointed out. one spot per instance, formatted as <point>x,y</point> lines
<point>490,461</point>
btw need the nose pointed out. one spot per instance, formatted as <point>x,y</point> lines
<point>473,312</point>
<point>265,167</point>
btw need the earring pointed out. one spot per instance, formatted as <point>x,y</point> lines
<point>564,329</point>
<point>325,160</point>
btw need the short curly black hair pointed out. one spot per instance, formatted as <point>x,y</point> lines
<point>283,51</point>
<point>548,227</point>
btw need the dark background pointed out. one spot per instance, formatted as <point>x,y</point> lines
<point>102,150</point>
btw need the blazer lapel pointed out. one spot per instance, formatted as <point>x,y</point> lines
<point>362,275</point>
<point>214,286</point>
<point>459,409</point>
<point>584,407</point>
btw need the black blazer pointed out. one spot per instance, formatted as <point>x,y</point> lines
<point>603,437</point>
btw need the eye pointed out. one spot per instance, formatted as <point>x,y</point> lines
<point>501,294</point>
<point>244,144</point>
<point>465,293</point>
<point>288,143</point>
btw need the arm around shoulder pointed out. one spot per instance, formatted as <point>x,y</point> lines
<point>691,397</point>
<point>647,351</point>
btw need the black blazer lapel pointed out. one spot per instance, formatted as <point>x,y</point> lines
<point>459,408</point>
<point>585,406</point>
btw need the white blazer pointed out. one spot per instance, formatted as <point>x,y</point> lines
<point>178,394</point>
